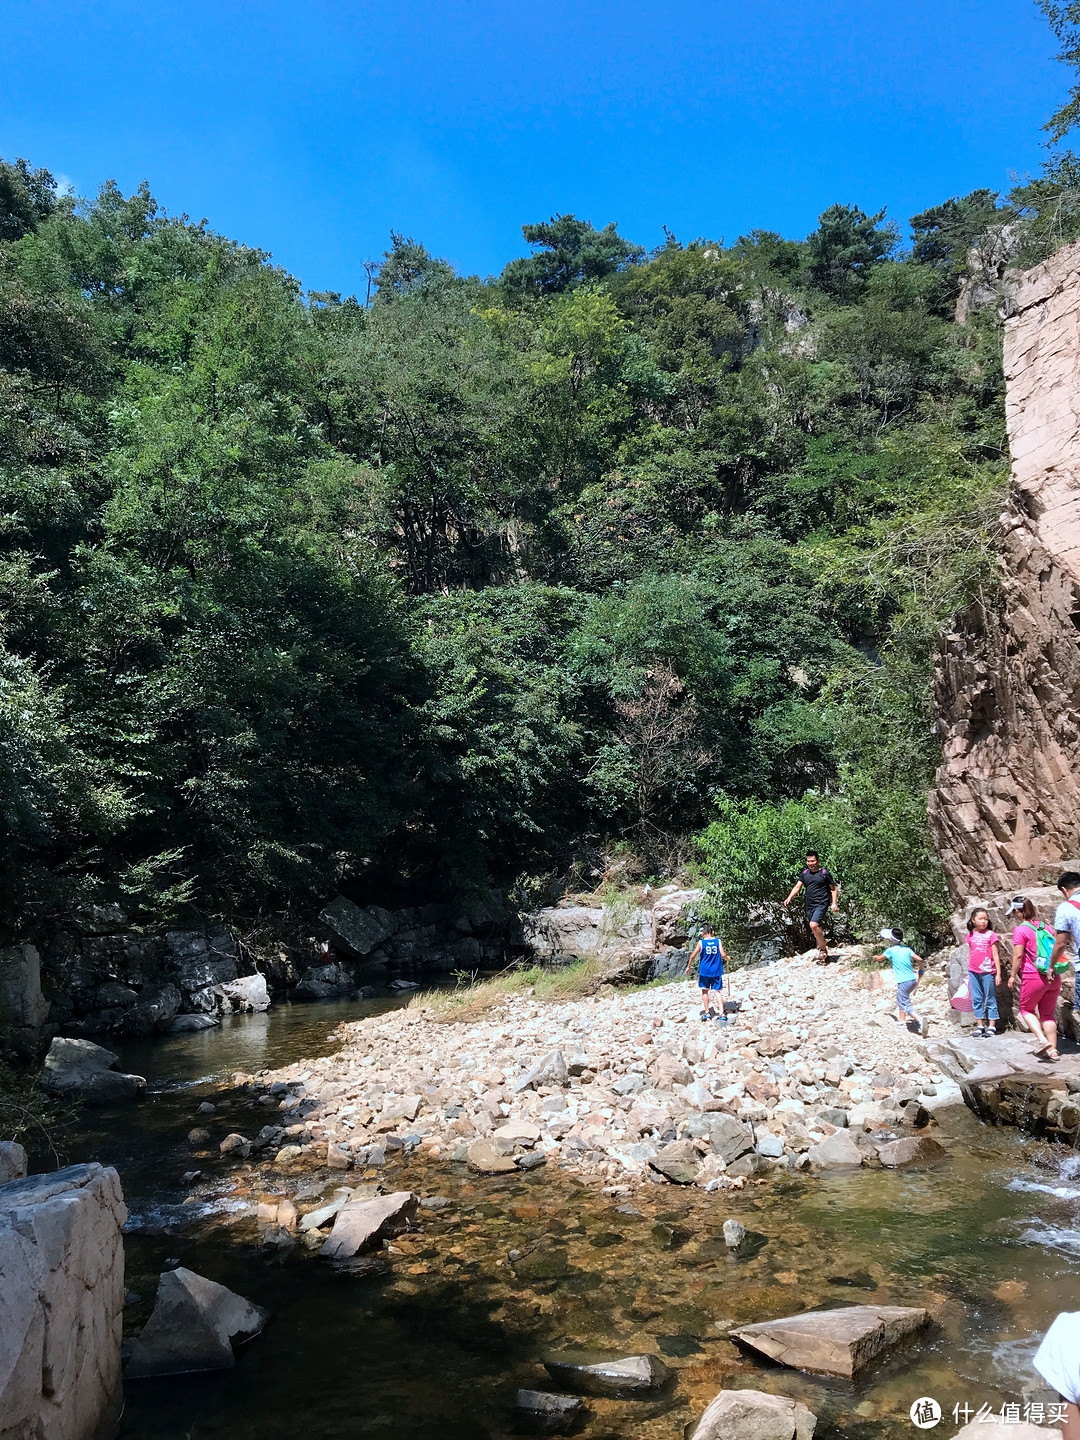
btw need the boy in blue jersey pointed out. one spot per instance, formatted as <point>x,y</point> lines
<point>710,949</point>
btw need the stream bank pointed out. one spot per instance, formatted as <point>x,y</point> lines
<point>438,1336</point>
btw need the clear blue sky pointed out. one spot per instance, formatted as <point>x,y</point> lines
<point>312,127</point>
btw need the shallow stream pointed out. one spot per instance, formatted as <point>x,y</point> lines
<point>438,1344</point>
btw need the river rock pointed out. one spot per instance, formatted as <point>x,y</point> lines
<point>194,1325</point>
<point>538,1413</point>
<point>838,1152</point>
<point>832,1342</point>
<point>669,1070</point>
<point>12,1162</point>
<point>189,1024</point>
<point>516,1132</point>
<point>356,931</point>
<point>153,1012</point>
<point>248,994</point>
<point>79,1067</point>
<point>61,1304</point>
<point>630,1376</point>
<point>770,1146</point>
<point>679,1161</point>
<point>755,1415</point>
<point>486,1157</point>
<point>551,1070</point>
<point>236,1144</point>
<point>912,1150</point>
<point>730,1138</point>
<point>360,1223</point>
<point>734,1233</point>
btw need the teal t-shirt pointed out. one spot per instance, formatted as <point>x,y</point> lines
<point>901,958</point>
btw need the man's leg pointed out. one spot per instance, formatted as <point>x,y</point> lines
<point>819,939</point>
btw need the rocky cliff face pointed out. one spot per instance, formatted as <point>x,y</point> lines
<point>1006,803</point>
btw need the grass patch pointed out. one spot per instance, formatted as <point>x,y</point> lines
<point>468,1002</point>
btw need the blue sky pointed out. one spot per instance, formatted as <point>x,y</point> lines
<point>312,128</point>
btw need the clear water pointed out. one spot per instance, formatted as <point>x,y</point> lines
<point>438,1345</point>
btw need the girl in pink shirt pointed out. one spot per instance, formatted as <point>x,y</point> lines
<point>1039,991</point>
<point>984,972</point>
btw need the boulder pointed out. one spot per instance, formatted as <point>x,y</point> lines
<point>517,1132</point>
<point>61,1304</point>
<point>912,1150</point>
<point>755,1415</point>
<point>360,1223</point>
<point>632,1375</point>
<point>565,930</point>
<point>668,965</point>
<point>669,1070</point>
<point>730,1138</point>
<point>485,1157</point>
<point>248,994</point>
<point>538,1413</point>
<point>153,1011</point>
<point>12,1162</point>
<point>734,1233</point>
<point>551,1070</point>
<point>355,931</point>
<point>678,1161</point>
<point>832,1342</point>
<point>672,916</point>
<point>22,1003</point>
<point>324,982</point>
<point>236,1144</point>
<point>770,1146</point>
<point>194,1326</point>
<point>189,1024</point>
<point>838,1152</point>
<point>79,1067</point>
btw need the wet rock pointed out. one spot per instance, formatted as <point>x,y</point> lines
<point>747,1165</point>
<point>12,1162</point>
<point>198,1137</point>
<point>485,1157</point>
<point>360,1223</point>
<point>912,1150</point>
<point>755,1415</point>
<point>537,1413</point>
<point>188,1024</point>
<point>531,1161</point>
<point>236,1144</point>
<point>316,1219</point>
<point>436,1202</point>
<point>207,1107</point>
<point>633,1375</point>
<point>79,1067</point>
<point>734,1232</point>
<point>838,1152</point>
<point>324,982</point>
<point>832,1342</point>
<point>194,1326</point>
<point>356,931</point>
<point>551,1070</point>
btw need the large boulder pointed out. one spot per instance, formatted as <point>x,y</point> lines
<point>355,931</point>
<point>79,1067</point>
<point>360,1223</point>
<point>672,916</point>
<point>194,1326</point>
<point>631,1375</point>
<point>755,1415</point>
<point>324,982</point>
<point>12,1162</point>
<point>153,1011</point>
<point>247,994</point>
<point>679,1162</point>
<point>838,1152</point>
<point>486,1158</point>
<point>565,930</point>
<point>832,1342</point>
<point>22,1004</point>
<point>61,1304</point>
<point>730,1138</point>
<point>912,1150</point>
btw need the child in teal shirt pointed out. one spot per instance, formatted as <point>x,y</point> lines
<point>908,969</point>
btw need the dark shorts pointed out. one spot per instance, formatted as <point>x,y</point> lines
<point>815,914</point>
<point>710,982</point>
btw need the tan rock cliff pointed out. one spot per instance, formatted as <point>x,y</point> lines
<point>1006,803</point>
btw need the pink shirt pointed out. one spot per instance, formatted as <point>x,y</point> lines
<point>980,944</point>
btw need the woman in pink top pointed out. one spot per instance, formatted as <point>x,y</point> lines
<point>984,971</point>
<point>1038,992</point>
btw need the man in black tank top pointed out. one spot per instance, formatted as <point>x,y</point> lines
<point>821,895</point>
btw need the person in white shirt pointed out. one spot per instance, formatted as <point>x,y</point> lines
<point>1058,1361</point>
<point>1067,918</point>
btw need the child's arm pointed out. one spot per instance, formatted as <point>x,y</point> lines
<point>920,969</point>
<point>997,963</point>
<point>693,956</point>
<point>880,957</point>
<point>1018,957</point>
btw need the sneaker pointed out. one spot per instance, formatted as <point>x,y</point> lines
<point>978,1032</point>
<point>705,1014</point>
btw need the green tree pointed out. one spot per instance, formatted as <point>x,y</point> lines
<point>571,252</point>
<point>845,247</point>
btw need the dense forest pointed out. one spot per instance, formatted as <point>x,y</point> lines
<point>478,582</point>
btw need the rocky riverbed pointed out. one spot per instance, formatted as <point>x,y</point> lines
<point>811,1073</point>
